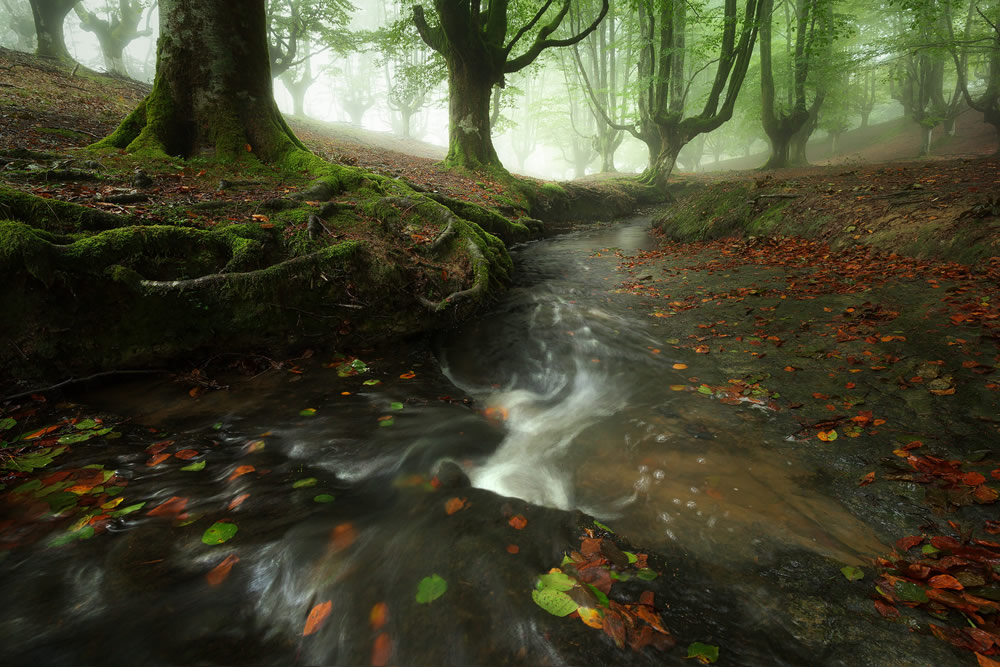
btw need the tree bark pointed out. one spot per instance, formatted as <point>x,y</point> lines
<point>213,92</point>
<point>49,17</point>
<point>470,143</point>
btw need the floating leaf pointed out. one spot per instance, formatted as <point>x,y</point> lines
<point>679,367</point>
<point>409,375</point>
<point>219,532</point>
<point>632,558</point>
<point>555,602</point>
<point>827,436</point>
<point>396,405</point>
<point>186,454</point>
<point>73,438</point>
<point>705,389</point>
<point>240,471</point>
<point>386,421</point>
<point>379,615</point>
<point>591,617</point>
<point>316,617</point>
<point>219,573</point>
<point>704,653</point>
<point>323,498</point>
<point>852,573</point>
<point>305,483</point>
<point>381,650</point>
<point>237,501</point>
<point>454,505</point>
<point>646,574</point>
<point>518,522</point>
<point>557,581</point>
<point>308,412</point>
<point>431,588</point>
<point>195,467</point>
<point>371,383</point>
<point>7,423</point>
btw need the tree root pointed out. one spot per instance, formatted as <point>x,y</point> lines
<point>479,269</point>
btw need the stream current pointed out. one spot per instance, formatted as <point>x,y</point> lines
<point>565,396</point>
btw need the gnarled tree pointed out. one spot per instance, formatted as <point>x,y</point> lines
<point>49,17</point>
<point>474,38</point>
<point>213,93</point>
<point>115,32</point>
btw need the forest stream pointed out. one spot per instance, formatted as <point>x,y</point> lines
<point>320,514</point>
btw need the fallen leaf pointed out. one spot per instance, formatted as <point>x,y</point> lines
<point>679,367</point>
<point>186,454</point>
<point>614,627</point>
<point>238,500</point>
<point>342,536</point>
<point>316,617</point>
<point>513,548</point>
<point>409,375</point>
<point>157,460</point>
<point>945,581</point>
<point>887,610</point>
<point>704,653</point>
<point>240,471</point>
<point>454,505</point>
<point>867,479</point>
<point>170,508</point>
<point>219,532</point>
<point>219,573</point>
<point>431,588</point>
<point>381,650</point>
<point>518,522</point>
<point>986,662</point>
<point>379,615</point>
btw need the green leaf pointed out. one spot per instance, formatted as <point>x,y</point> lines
<point>705,653</point>
<point>84,533</point>
<point>28,486</point>
<point>128,510</point>
<point>599,594</point>
<point>323,498</point>
<point>558,581</point>
<point>602,526</point>
<point>195,467</point>
<point>632,558</point>
<point>7,423</point>
<point>910,592</point>
<point>371,383</point>
<point>929,549</point>
<point>85,424</point>
<point>396,405</point>
<point>852,573</point>
<point>566,559</point>
<point>308,412</point>
<point>431,588</point>
<point>75,437</point>
<point>217,425</point>
<point>555,602</point>
<point>387,422</point>
<point>305,483</point>
<point>705,389</point>
<point>219,532</point>
<point>646,574</point>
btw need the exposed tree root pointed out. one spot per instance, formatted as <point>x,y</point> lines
<point>478,288</point>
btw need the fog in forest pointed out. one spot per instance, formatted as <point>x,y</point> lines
<point>364,65</point>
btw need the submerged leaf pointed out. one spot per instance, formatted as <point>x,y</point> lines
<point>219,532</point>
<point>316,617</point>
<point>852,573</point>
<point>555,602</point>
<point>704,653</point>
<point>558,581</point>
<point>431,588</point>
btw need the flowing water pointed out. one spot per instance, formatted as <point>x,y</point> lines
<point>561,398</point>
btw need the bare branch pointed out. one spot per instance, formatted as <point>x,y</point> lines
<point>542,42</point>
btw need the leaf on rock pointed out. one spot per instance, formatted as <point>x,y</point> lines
<point>431,588</point>
<point>455,504</point>
<point>614,627</point>
<point>852,573</point>
<point>317,615</point>
<point>518,522</point>
<point>556,580</point>
<point>171,508</point>
<point>219,573</point>
<point>945,581</point>
<point>555,602</point>
<point>910,592</point>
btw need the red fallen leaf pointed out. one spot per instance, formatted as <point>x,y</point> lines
<point>379,615</point>
<point>44,431</point>
<point>158,447</point>
<point>219,573</point>
<point>867,479</point>
<point>238,500</point>
<point>945,581</point>
<point>240,471</point>
<point>641,639</point>
<point>170,508</point>
<point>186,454</point>
<point>598,577</point>
<point>985,495</point>
<point>951,600</point>
<point>651,617</point>
<point>455,504</point>
<point>55,477</point>
<point>995,474</point>
<point>342,536</point>
<point>381,650</point>
<point>409,375</point>
<point>906,543</point>
<point>993,527</point>
<point>917,571</point>
<point>820,396</point>
<point>513,548</point>
<point>943,392</point>
<point>701,349</point>
<point>614,627</point>
<point>986,662</point>
<point>641,563</point>
<point>517,522</point>
<point>646,598</point>
<point>887,610</point>
<point>316,617</point>
<point>973,478</point>
<point>590,546</point>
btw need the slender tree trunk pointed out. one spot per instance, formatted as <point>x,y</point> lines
<point>469,140</point>
<point>213,91</point>
<point>49,17</point>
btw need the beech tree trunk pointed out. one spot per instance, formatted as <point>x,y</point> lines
<point>470,143</point>
<point>49,17</point>
<point>213,94</point>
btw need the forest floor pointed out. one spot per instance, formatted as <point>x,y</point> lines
<point>825,292</point>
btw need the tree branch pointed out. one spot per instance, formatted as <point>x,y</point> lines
<point>528,26</point>
<point>542,42</point>
<point>434,36</point>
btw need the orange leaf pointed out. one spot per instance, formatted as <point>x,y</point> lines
<point>219,573</point>
<point>701,349</point>
<point>343,536</point>
<point>679,367</point>
<point>409,375</point>
<point>381,650</point>
<point>986,662</point>
<point>379,615</point>
<point>513,548</point>
<point>157,460</point>
<point>248,148</point>
<point>518,522</point>
<point>186,454</point>
<point>945,581</point>
<point>590,617</point>
<point>867,479</point>
<point>158,447</point>
<point>614,627</point>
<point>170,508</point>
<point>240,471</point>
<point>943,392</point>
<point>316,617</point>
<point>41,432</point>
<point>454,505</point>
<point>850,385</point>
<point>985,494</point>
<point>238,500</point>
<point>973,479</point>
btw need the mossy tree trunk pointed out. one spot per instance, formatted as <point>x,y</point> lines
<point>49,17</point>
<point>213,94</point>
<point>115,33</point>
<point>479,52</point>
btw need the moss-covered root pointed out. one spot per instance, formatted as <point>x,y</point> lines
<point>508,231</point>
<point>56,216</point>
